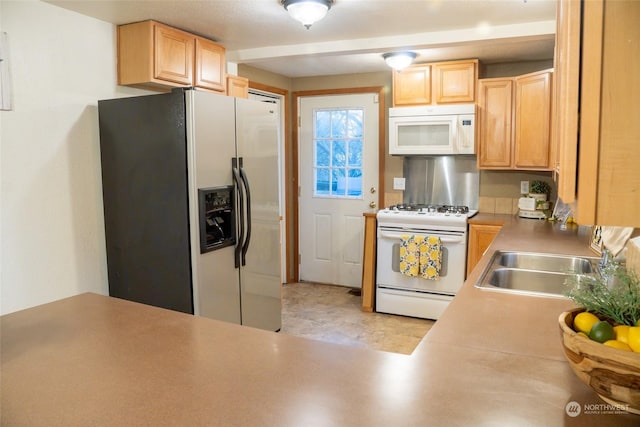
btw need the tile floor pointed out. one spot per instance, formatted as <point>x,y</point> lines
<point>332,313</point>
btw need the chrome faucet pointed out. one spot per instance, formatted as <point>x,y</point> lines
<point>608,267</point>
<point>565,218</point>
<point>605,260</point>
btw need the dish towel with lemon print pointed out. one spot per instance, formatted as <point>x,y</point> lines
<point>420,256</point>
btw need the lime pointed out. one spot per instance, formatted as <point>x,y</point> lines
<point>584,321</point>
<point>601,331</point>
<point>617,344</point>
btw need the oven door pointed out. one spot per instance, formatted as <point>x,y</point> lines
<point>388,275</point>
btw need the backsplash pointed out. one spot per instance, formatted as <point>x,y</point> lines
<point>498,205</point>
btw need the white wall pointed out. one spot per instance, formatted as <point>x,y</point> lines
<point>52,228</point>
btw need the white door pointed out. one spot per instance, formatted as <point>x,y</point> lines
<point>338,164</point>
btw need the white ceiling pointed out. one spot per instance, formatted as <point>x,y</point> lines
<point>354,34</point>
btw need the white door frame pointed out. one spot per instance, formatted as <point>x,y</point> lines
<point>294,186</point>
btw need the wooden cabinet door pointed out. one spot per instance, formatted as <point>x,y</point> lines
<point>210,65</point>
<point>455,82</point>
<point>494,123</point>
<point>532,120</point>
<point>608,173</point>
<point>173,55</point>
<point>238,86</point>
<point>412,86</point>
<point>566,87</point>
<point>480,237</point>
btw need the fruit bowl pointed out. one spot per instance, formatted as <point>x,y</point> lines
<point>612,373</point>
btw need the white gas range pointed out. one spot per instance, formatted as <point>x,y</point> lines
<point>397,293</point>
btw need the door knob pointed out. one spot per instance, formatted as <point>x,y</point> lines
<point>372,204</point>
<point>372,190</point>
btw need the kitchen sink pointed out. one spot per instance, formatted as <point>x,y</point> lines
<point>544,282</point>
<point>535,273</point>
<point>546,262</point>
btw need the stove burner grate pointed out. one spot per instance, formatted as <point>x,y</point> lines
<point>450,209</point>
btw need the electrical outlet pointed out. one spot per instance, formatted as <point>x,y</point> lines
<point>524,187</point>
<point>398,183</point>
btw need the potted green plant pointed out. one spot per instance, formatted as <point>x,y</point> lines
<point>539,190</point>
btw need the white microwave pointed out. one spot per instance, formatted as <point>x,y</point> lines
<point>432,129</point>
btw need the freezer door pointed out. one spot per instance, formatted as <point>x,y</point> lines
<point>260,282</point>
<point>211,137</point>
<point>144,182</point>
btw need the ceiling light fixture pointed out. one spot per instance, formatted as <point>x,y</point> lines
<point>307,11</point>
<point>399,60</point>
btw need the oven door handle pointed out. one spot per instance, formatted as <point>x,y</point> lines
<point>443,239</point>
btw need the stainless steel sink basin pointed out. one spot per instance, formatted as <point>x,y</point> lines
<point>544,282</point>
<point>534,273</point>
<point>545,262</point>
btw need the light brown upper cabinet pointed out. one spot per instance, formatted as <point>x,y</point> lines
<point>597,130</point>
<point>449,82</point>
<point>412,86</point>
<point>210,65</point>
<point>495,112</point>
<point>157,56</point>
<point>564,124</point>
<point>532,123</point>
<point>514,116</point>
<point>455,82</point>
<point>237,86</point>
<point>608,186</point>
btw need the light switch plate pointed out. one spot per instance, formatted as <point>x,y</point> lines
<point>524,187</point>
<point>398,183</point>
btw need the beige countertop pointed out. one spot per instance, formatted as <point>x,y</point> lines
<point>492,359</point>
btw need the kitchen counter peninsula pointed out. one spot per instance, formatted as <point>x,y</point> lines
<point>492,359</point>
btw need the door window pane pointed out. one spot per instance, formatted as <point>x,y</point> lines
<point>322,124</point>
<point>323,150</point>
<point>338,157</point>
<point>322,182</point>
<point>338,146</point>
<point>355,152</point>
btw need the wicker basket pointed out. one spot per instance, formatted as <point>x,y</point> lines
<point>612,373</point>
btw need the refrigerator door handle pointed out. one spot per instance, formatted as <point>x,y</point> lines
<point>245,246</point>
<point>237,179</point>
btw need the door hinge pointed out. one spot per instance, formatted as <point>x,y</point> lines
<point>376,99</point>
<point>299,191</point>
<point>299,121</point>
<point>299,259</point>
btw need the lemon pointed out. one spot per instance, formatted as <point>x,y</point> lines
<point>621,333</point>
<point>584,321</point>
<point>634,338</point>
<point>603,331</point>
<point>582,334</point>
<point>617,344</point>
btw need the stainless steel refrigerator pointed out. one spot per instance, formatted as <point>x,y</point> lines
<point>191,204</point>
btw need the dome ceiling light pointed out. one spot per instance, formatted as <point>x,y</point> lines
<point>399,60</point>
<point>307,12</point>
